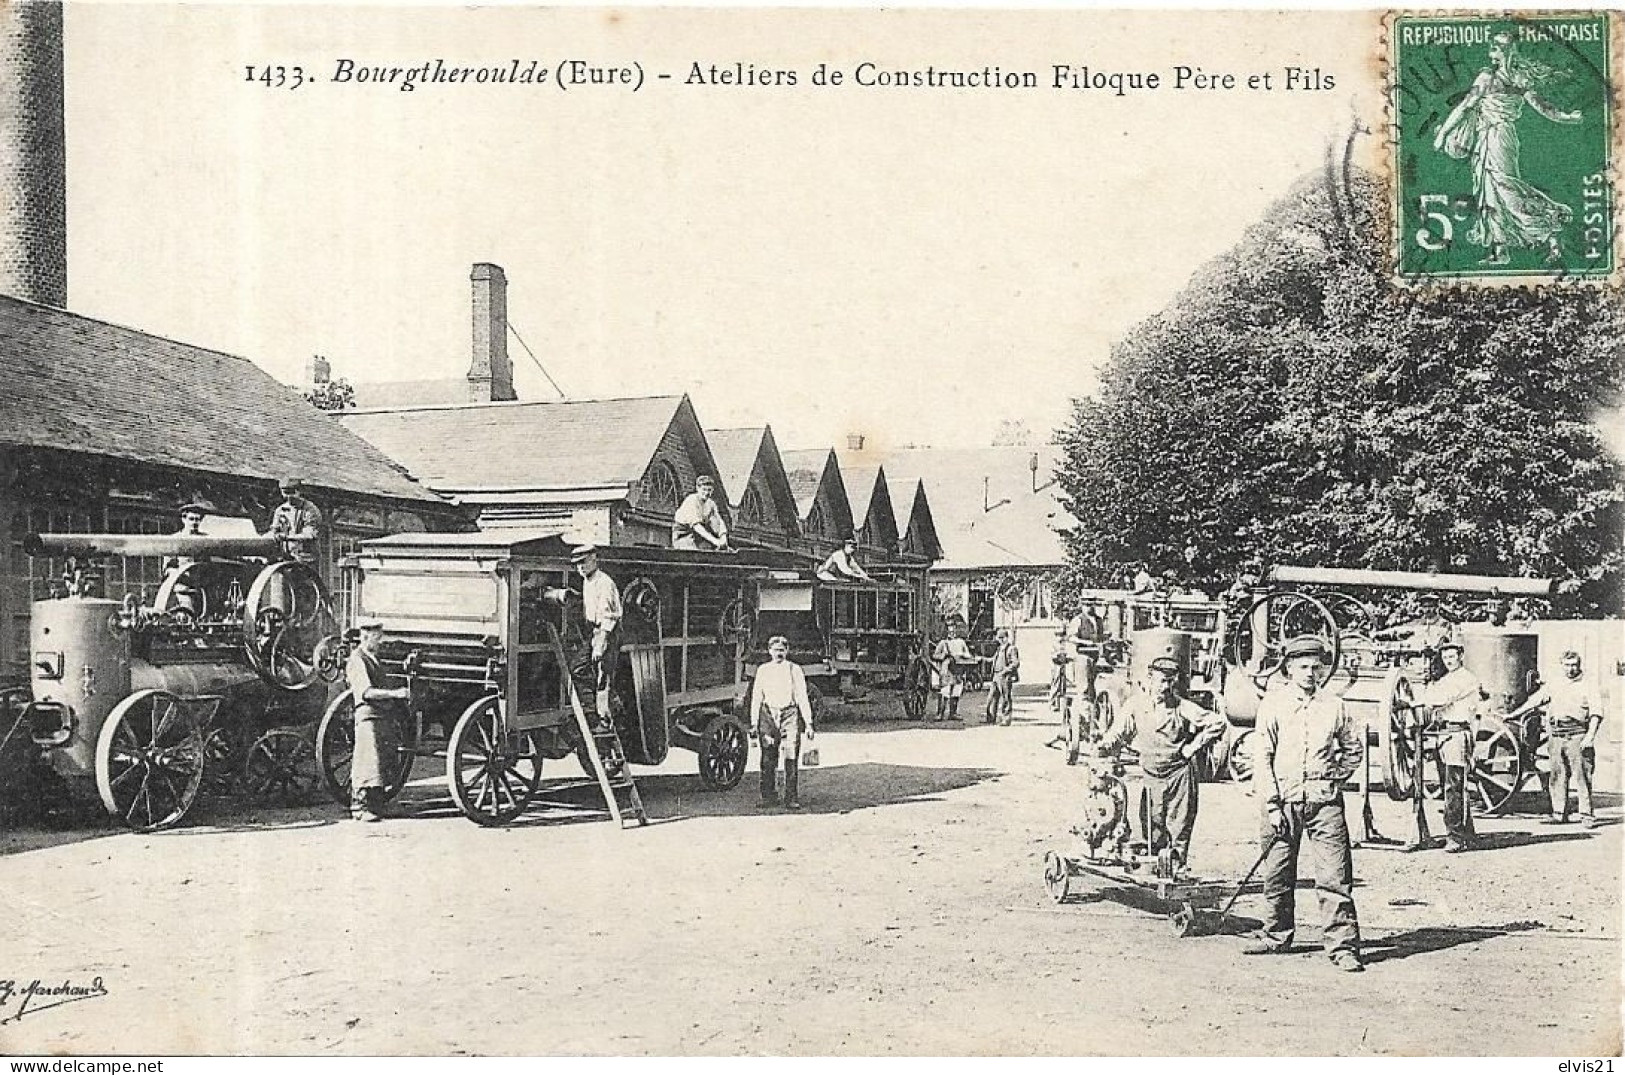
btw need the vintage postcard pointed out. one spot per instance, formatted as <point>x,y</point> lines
<point>698,532</point>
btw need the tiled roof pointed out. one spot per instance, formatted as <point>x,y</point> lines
<point>861,483</point>
<point>1016,527</point>
<point>411,393</point>
<point>908,497</point>
<point>532,446</point>
<point>77,384</point>
<point>805,469</point>
<point>735,451</point>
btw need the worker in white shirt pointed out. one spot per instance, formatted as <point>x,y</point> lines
<point>953,660</point>
<point>842,564</point>
<point>1457,698</point>
<point>698,522</point>
<point>1573,717</point>
<point>783,714</point>
<point>601,607</point>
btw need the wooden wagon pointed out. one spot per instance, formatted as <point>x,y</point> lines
<point>476,623</point>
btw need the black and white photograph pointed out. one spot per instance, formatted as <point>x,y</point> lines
<point>782,532</point>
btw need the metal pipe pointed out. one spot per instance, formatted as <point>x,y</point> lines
<point>1505,585</point>
<point>192,546</point>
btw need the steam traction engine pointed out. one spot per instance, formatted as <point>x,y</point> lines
<point>1384,677</point>
<point>205,689</point>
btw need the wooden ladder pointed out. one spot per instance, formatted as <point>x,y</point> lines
<point>601,745</point>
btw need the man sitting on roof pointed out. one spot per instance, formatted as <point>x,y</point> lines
<point>699,520</point>
<point>842,564</point>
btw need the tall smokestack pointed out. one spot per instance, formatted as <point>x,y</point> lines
<point>490,375</point>
<point>33,154</point>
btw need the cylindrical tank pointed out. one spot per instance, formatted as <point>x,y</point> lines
<point>1113,619</point>
<point>76,660</point>
<point>1154,642</point>
<point>191,679</point>
<point>1506,662</point>
<point>1241,697</point>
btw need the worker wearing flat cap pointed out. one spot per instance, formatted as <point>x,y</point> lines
<point>601,607</point>
<point>296,523</point>
<point>380,709</point>
<point>1455,700</point>
<point>1168,731</point>
<point>1307,745</point>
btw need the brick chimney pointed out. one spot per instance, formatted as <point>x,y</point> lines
<point>33,155</point>
<point>320,371</point>
<point>490,375</point>
<point>854,442</point>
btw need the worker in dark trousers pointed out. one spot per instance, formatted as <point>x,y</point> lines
<point>783,714</point>
<point>1456,699</point>
<point>1168,731</point>
<point>1307,746</point>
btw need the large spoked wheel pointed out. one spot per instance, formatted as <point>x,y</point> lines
<point>724,753</point>
<point>1283,616</point>
<point>224,748</point>
<point>288,626</point>
<point>1394,714</point>
<point>182,593</point>
<point>737,624</point>
<point>149,760</point>
<point>281,768</point>
<point>916,691</point>
<point>1240,762</point>
<point>1498,770</point>
<point>335,750</point>
<point>492,773</point>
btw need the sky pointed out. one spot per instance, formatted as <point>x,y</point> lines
<point>914,264</point>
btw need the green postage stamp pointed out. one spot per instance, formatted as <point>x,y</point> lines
<point>1503,142</point>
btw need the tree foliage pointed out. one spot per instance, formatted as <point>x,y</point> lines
<point>337,394</point>
<point>1292,405</point>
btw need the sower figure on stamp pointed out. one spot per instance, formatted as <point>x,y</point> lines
<point>1456,699</point>
<point>378,709</point>
<point>1508,210</point>
<point>782,712</point>
<point>1307,746</point>
<point>1168,732</point>
<point>1573,716</point>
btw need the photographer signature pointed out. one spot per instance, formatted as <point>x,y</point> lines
<point>32,997</point>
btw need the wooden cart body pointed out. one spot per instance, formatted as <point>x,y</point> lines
<point>478,619</point>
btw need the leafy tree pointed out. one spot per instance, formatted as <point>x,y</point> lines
<point>1292,405</point>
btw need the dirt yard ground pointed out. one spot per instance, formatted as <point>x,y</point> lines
<point>902,912</point>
